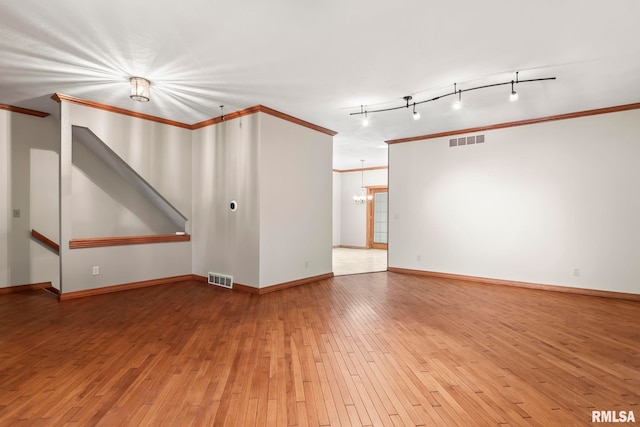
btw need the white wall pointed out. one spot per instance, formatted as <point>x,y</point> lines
<point>44,213</point>
<point>337,208</point>
<point>225,168</point>
<point>5,194</point>
<point>161,154</point>
<point>531,204</point>
<point>279,173</point>
<point>295,201</point>
<point>353,217</point>
<point>107,205</point>
<point>28,150</point>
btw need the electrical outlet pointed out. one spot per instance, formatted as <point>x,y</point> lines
<point>96,270</point>
<point>576,271</point>
<point>306,264</point>
<point>16,213</point>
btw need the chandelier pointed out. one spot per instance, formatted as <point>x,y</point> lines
<point>362,197</point>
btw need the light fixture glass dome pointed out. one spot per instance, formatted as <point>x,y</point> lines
<point>140,89</point>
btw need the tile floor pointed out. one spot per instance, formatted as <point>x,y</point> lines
<point>355,261</point>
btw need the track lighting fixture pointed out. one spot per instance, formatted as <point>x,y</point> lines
<point>222,112</point>
<point>456,92</point>
<point>514,95</point>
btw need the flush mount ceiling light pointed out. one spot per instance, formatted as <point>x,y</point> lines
<point>140,89</point>
<point>456,92</point>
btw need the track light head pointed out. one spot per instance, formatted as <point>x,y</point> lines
<point>416,114</point>
<point>458,104</point>
<point>514,95</point>
<point>365,121</point>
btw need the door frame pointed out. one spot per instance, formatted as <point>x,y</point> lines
<point>371,190</point>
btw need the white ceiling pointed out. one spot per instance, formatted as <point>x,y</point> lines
<point>321,60</point>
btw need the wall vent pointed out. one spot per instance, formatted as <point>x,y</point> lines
<point>466,140</point>
<point>220,280</point>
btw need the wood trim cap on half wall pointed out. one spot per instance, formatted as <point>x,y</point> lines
<point>488,281</point>
<point>97,242</point>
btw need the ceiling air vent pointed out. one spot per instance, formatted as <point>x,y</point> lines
<point>220,280</point>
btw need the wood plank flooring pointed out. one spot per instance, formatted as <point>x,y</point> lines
<point>378,349</point>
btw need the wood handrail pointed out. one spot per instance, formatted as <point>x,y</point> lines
<point>45,240</point>
<point>97,242</point>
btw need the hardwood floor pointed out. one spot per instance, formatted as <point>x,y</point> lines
<point>374,349</point>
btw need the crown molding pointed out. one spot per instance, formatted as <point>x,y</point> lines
<point>21,110</point>
<point>295,120</point>
<point>566,116</point>
<point>226,117</point>
<point>58,97</point>
<point>266,110</point>
<point>373,168</point>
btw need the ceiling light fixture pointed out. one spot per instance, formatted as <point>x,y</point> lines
<point>514,95</point>
<point>416,115</point>
<point>140,89</point>
<point>458,104</point>
<point>361,198</point>
<point>456,91</point>
<point>365,121</point>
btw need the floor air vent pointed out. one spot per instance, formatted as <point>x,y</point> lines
<point>221,280</point>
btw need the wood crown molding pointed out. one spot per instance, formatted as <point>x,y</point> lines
<point>124,287</point>
<point>553,288</point>
<point>58,97</point>
<point>23,111</point>
<point>266,110</point>
<point>566,116</point>
<point>361,169</point>
<point>97,242</point>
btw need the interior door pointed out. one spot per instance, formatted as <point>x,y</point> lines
<point>377,217</point>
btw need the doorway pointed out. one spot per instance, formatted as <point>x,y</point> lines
<point>377,217</point>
